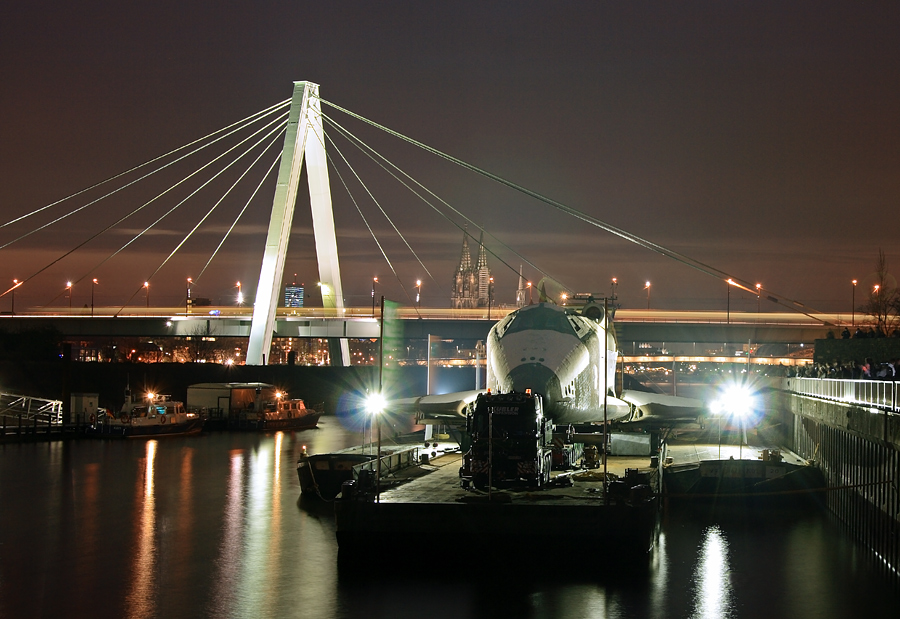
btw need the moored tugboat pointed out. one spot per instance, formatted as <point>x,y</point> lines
<point>156,415</point>
<point>282,414</point>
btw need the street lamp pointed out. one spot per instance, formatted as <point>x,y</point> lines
<point>853,304</point>
<point>530,298</point>
<point>374,281</point>
<point>187,298</point>
<point>12,307</point>
<point>490,295</point>
<point>419,293</point>
<point>647,287</point>
<point>147,288</point>
<point>613,287</point>
<point>758,292</point>
<point>93,284</point>
<point>69,291</point>
<point>240,294</point>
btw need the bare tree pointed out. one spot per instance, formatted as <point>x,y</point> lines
<point>884,300</point>
<point>201,345</point>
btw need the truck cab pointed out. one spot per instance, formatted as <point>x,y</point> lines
<point>510,442</point>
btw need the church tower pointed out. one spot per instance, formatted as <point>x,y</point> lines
<point>471,285</point>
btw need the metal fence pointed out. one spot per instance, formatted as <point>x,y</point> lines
<point>878,394</point>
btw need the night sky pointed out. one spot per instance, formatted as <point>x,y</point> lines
<point>762,138</point>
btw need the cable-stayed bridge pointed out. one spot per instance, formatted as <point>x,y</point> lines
<point>277,140</point>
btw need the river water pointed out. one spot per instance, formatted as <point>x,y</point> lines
<point>212,526</point>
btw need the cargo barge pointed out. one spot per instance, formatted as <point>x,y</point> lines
<point>499,493</point>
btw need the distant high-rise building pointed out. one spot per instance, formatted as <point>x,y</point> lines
<point>293,295</point>
<point>471,286</point>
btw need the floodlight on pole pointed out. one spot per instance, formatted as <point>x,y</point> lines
<point>647,288</point>
<point>69,292</point>
<point>147,288</point>
<point>93,284</point>
<point>853,303</point>
<point>374,281</point>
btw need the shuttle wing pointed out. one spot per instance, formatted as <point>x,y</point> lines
<point>662,410</point>
<point>444,408</point>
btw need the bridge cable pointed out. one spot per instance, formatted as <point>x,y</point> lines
<point>686,260</point>
<point>137,180</point>
<point>281,119</point>
<point>241,214</point>
<point>247,120</point>
<point>358,141</point>
<point>380,208</point>
<point>212,209</point>
<point>366,221</point>
<point>277,130</point>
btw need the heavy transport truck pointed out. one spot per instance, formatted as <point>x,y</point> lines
<point>511,442</point>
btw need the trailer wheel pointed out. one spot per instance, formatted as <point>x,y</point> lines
<point>480,481</point>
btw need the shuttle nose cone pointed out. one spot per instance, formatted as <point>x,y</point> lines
<point>539,378</point>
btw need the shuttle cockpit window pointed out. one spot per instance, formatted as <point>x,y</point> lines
<point>541,318</point>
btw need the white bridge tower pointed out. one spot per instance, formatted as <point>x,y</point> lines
<point>304,136</point>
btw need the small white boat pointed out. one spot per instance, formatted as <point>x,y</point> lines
<point>155,415</point>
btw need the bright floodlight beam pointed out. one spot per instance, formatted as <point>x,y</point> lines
<point>375,404</point>
<point>735,400</point>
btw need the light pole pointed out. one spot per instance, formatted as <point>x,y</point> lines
<point>530,297</point>
<point>93,284</point>
<point>374,281</point>
<point>730,283</point>
<point>69,291</point>
<point>612,288</point>
<point>758,293</point>
<point>147,288</point>
<point>12,307</point>
<point>490,295</point>
<point>853,304</point>
<point>647,287</point>
<point>419,293</point>
<point>187,298</point>
<point>240,294</point>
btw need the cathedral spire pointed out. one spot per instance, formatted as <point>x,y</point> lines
<point>465,258</point>
<point>482,253</point>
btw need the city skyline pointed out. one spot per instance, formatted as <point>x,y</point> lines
<point>761,140</point>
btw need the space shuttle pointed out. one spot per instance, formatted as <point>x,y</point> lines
<point>566,355</point>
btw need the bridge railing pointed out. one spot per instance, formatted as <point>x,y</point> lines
<point>27,407</point>
<point>879,394</point>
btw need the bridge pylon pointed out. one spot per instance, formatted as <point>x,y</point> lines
<point>304,136</point>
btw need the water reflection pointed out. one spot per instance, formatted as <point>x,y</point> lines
<point>228,563</point>
<point>712,584</point>
<point>142,594</point>
<point>211,527</point>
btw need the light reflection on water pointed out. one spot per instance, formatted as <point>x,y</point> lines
<point>211,526</point>
<point>141,599</point>
<point>712,585</point>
